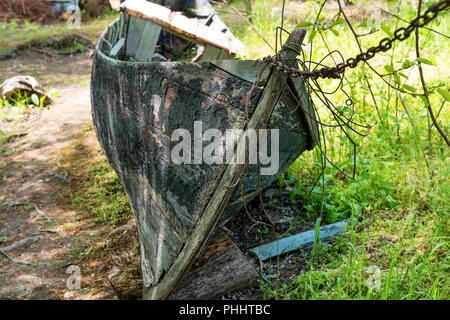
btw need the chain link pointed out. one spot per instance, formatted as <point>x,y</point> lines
<point>400,34</point>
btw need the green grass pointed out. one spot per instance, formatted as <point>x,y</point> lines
<point>14,109</point>
<point>101,193</point>
<point>13,34</point>
<point>398,246</point>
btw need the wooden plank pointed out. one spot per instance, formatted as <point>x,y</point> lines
<point>112,34</point>
<point>222,269</point>
<point>117,47</point>
<point>181,25</point>
<point>308,110</point>
<point>147,44</point>
<point>244,69</point>
<point>210,53</point>
<point>134,35</point>
<point>136,108</point>
<point>295,242</point>
<point>223,192</point>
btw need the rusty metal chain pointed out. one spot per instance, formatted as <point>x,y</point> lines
<point>400,34</point>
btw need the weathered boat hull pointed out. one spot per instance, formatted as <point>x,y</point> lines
<point>136,107</point>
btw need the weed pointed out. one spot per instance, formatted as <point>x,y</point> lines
<point>102,194</point>
<point>397,246</point>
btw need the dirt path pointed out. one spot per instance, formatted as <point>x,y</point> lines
<point>31,173</point>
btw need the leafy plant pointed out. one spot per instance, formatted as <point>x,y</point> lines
<point>399,196</point>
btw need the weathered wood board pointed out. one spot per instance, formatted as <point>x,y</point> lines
<point>219,199</point>
<point>295,242</point>
<point>148,41</point>
<point>247,70</point>
<point>134,128</point>
<point>213,53</point>
<point>308,111</point>
<point>117,48</point>
<point>134,34</point>
<point>222,269</point>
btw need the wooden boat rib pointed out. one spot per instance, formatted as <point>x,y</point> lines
<point>136,106</point>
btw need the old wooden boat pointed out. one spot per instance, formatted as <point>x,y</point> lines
<point>139,100</point>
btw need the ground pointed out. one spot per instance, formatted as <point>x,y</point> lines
<point>29,174</point>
